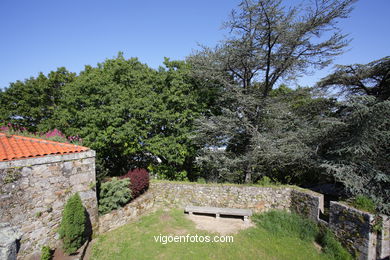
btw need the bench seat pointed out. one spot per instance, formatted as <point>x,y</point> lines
<point>219,211</point>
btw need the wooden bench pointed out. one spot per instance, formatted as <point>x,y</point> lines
<point>219,211</point>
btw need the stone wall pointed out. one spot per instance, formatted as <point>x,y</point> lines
<point>308,203</point>
<point>162,195</point>
<point>9,237</point>
<point>354,228</point>
<point>33,193</point>
<point>258,199</point>
<point>383,246</point>
<point>117,218</point>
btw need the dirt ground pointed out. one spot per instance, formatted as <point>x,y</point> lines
<point>223,225</point>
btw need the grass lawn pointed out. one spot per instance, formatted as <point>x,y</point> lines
<point>136,241</point>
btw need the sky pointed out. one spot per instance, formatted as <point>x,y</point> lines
<point>42,35</point>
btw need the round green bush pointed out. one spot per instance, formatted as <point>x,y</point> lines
<point>73,225</point>
<point>114,194</point>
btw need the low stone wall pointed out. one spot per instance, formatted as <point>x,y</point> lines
<point>33,193</point>
<point>258,199</point>
<point>383,246</point>
<point>163,195</point>
<point>354,228</point>
<point>308,203</point>
<point>351,226</point>
<point>117,218</point>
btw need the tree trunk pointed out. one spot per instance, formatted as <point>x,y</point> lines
<point>248,175</point>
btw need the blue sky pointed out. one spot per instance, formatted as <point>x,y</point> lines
<point>39,36</point>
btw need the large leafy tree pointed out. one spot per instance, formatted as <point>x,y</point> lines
<point>371,79</point>
<point>268,42</point>
<point>134,116</point>
<point>32,102</point>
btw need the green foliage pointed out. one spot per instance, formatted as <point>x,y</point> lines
<point>134,116</point>
<point>201,180</point>
<point>30,103</point>
<point>257,131</point>
<point>269,42</point>
<point>276,137</point>
<point>356,150</point>
<point>11,175</point>
<point>267,181</point>
<point>371,79</point>
<point>363,203</point>
<point>331,246</point>
<point>281,223</point>
<point>46,253</point>
<point>46,136</point>
<point>287,224</point>
<point>73,224</point>
<point>114,194</point>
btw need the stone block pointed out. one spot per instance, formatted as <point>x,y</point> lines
<point>8,241</point>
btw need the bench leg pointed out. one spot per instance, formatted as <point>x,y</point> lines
<point>246,219</point>
<point>190,213</point>
<point>217,216</point>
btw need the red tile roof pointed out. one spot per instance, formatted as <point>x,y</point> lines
<point>14,147</point>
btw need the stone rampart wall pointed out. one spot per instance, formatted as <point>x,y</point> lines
<point>33,193</point>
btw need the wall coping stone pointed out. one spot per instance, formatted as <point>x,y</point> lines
<point>47,159</point>
<point>215,184</point>
<point>346,205</point>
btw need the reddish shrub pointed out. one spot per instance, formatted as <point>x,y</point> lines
<point>139,181</point>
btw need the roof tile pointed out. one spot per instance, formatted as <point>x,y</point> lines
<point>14,147</point>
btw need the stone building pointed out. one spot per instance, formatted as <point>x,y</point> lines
<point>36,178</point>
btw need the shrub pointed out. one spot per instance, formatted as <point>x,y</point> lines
<point>52,135</point>
<point>114,194</point>
<point>201,180</point>
<point>139,181</point>
<point>363,203</point>
<point>267,181</point>
<point>73,224</point>
<point>46,253</point>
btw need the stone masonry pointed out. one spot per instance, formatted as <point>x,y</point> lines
<point>33,193</point>
<point>165,195</point>
<point>354,228</point>
<point>9,237</point>
<point>307,203</point>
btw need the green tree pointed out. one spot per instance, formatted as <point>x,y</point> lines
<point>371,79</point>
<point>268,42</point>
<point>73,224</point>
<point>282,143</point>
<point>357,149</point>
<point>134,116</point>
<point>32,102</point>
